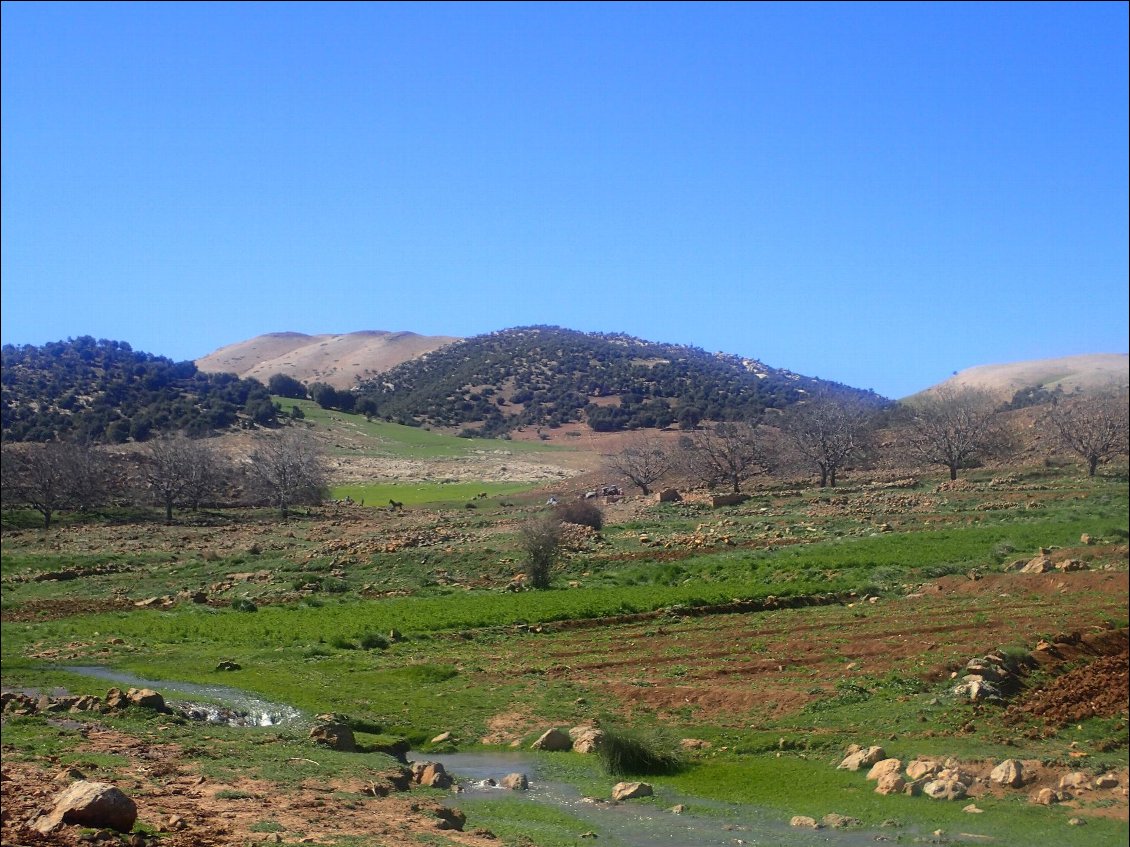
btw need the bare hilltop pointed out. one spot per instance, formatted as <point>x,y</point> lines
<point>1087,373</point>
<point>338,360</point>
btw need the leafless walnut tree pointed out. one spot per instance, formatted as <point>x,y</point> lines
<point>1094,427</point>
<point>643,462</point>
<point>827,431</point>
<point>53,477</point>
<point>729,453</point>
<point>954,428</point>
<point>288,467</point>
<point>180,472</point>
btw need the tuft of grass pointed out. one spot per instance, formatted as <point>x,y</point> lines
<point>625,753</point>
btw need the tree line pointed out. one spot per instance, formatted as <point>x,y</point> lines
<point>954,429</point>
<point>173,471</point>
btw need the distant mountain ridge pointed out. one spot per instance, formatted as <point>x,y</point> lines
<point>336,359</point>
<point>1087,373</point>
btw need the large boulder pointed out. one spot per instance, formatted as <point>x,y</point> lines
<point>883,768</point>
<point>891,783</point>
<point>631,790</point>
<point>586,739</point>
<point>945,789</point>
<point>147,698</point>
<point>430,774</point>
<point>98,805</point>
<point>859,757</point>
<point>553,740</point>
<point>515,782</point>
<point>1009,773</point>
<point>922,768</point>
<point>336,736</point>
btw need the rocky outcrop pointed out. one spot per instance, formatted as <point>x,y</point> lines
<point>335,736</point>
<point>1009,773</point>
<point>553,740</point>
<point>859,757</point>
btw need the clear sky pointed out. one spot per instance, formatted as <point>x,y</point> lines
<point>875,194</point>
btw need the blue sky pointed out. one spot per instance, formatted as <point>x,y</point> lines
<point>876,194</point>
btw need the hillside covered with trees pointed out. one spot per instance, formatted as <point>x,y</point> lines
<point>104,391</point>
<point>548,376</point>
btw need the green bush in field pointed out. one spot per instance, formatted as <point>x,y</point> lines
<point>581,512</point>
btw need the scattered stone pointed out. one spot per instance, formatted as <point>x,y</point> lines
<point>1041,564</point>
<point>805,821</point>
<point>69,775</point>
<point>229,666</point>
<point>861,758</point>
<point>515,782</point>
<point>1075,781</point>
<point>430,774</point>
<point>1076,822</point>
<point>1049,796</point>
<point>678,809</point>
<point>631,790</point>
<point>1010,772</point>
<point>450,819</point>
<point>837,821</point>
<point>694,744</point>
<point>147,698</point>
<point>972,809</point>
<point>553,740</point>
<point>98,805</point>
<point>945,789</point>
<point>1107,780</point>
<point>441,738</point>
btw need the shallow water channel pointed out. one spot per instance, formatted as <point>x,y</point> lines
<point>634,823</point>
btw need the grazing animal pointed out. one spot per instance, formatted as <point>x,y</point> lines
<point>394,506</point>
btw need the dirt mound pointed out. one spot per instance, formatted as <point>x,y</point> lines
<point>1099,687</point>
<point>1095,372</point>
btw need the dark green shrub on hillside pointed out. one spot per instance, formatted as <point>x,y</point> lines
<point>635,754</point>
<point>581,512</point>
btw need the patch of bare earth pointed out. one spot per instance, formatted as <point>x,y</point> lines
<point>193,811</point>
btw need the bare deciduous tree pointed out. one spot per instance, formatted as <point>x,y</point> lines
<point>827,432</point>
<point>180,472</point>
<point>643,462</point>
<point>728,452</point>
<point>53,477</point>
<point>288,467</point>
<point>1093,427</point>
<point>540,541</point>
<point>954,428</point>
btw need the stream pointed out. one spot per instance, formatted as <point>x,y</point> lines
<point>219,704</point>
<point>703,823</point>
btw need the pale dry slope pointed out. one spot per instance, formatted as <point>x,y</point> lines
<point>1094,372</point>
<point>334,359</point>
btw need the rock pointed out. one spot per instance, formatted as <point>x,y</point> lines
<point>229,666</point>
<point>441,738</point>
<point>452,819</point>
<point>1010,772</point>
<point>68,775</point>
<point>173,823</point>
<point>116,699</point>
<point>515,782</point>
<point>631,790</point>
<point>1072,565</point>
<point>837,821</point>
<point>1041,564</point>
<point>677,809</point>
<point>1086,538</point>
<point>1107,780</point>
<point>1076,822</point>
<point>972,809</point>
<point>147,698</point>
<point>890,783</point>
<point>861,758</point>
<point>1048,796</point>
<point>920,768</point>
<point>804,821</point>
<point>694,744</point>
<point>1075,781</point>
<point>553,740</point>
<point>977,691</point>
<point>587,739</point>
<point>944,789</point>
<point>432,775</point>
<point>668,495</point>
<point>98,805</point>
<point>336,736</point>
<point>884,767</point>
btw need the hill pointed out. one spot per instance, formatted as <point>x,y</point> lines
<point>549,376</point>
<point>1088,373</point>
<point>338,360</point>
<point>105,391</point>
